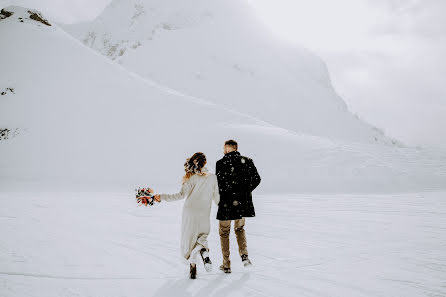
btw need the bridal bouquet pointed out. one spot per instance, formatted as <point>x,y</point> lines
<point>146,193</point>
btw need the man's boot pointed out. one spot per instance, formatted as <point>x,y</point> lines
<point>246,261</point>
<point>225,269</point>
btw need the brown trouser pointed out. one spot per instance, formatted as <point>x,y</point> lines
<point>225,228</point>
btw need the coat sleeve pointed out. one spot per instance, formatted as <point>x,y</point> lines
<point>216,194</point>
<point>219,174</point>
<point>254,175</point>
<point>185,190</point>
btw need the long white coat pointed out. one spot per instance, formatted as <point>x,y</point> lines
<point>195,226</point>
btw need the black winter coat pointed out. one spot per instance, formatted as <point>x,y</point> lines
<point>237,177</point>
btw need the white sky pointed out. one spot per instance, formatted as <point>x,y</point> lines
<point>385,57</point>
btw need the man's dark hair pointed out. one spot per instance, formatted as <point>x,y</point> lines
<point>232,143</point>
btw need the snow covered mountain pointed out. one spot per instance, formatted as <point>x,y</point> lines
<point>73,118</point>
<point>217,50</point>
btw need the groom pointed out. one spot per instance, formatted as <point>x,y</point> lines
<point>237,178</point>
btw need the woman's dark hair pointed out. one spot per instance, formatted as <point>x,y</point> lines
<point>195,165</point>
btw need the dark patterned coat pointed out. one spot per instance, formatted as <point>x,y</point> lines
<point>237,177</point>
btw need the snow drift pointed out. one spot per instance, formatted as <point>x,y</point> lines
<point>218,51</point>
<point>77,119</point>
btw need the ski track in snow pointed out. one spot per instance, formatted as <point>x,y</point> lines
<point>102,244</point>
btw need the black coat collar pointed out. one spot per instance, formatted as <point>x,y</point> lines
<point>232,154</point>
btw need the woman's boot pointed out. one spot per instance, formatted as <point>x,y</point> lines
<point>206,260</point>
<point>193,271</point>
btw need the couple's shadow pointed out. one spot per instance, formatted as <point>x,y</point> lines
<point>185,287</point>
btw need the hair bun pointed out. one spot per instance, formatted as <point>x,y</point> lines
<point>195,164</point>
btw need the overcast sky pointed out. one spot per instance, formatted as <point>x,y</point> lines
<point>385,57</point>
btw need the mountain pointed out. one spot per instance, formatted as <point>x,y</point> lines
<point>219,51</point>
<point>72,119</point>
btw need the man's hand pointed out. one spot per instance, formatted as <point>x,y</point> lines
<point>157,198</point>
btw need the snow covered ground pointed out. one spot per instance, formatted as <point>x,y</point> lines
<point>77,120</point>
<point>102,244</point>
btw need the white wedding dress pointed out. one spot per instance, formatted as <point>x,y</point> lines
<point>199,191</point>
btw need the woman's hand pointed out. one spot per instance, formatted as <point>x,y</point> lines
<point>157,198</point>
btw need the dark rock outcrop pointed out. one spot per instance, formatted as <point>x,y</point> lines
<point>5,14</point>
<point>7,90</point>
<point>38,18</point>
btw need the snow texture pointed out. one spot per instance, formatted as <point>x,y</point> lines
<point>102,244</point>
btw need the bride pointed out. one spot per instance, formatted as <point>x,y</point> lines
<point>199,188</point>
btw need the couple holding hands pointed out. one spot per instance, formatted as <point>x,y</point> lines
<point>230,188</point>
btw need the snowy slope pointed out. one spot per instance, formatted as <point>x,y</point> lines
<point>82,121</point>
<point>73,120</point>
<point>300,245</point>
<point>217,50</point>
